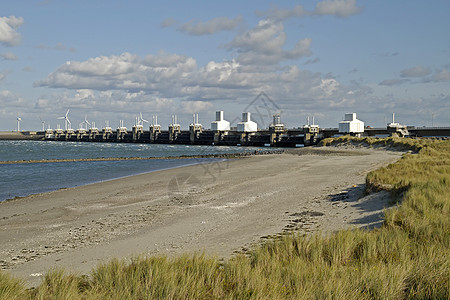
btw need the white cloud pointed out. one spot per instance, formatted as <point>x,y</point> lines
<point>338,8</point>
<point>211,26</point>
<point>280,14</point>
<point>8,56</point>
<point>441,76</point>
<point>8,98</point>
<point>172,83</point>
<point>267,37</point>
<point>221,71</point>
<point>264,44</point>
<point>127,71</point>
<point>312,61</point>
<point>4,74</point>
<point>171,76</point>
<point>392,82</point>
<point>328,87</point>
<point>417,71</point>
<point>168,22</point>
<point>196,106</point>
<point>167,60</point>
<point>104,101</point>
<point>8,34</point>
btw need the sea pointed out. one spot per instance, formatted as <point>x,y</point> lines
<point>20,180</point>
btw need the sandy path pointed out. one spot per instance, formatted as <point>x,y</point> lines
<point>218,208</point>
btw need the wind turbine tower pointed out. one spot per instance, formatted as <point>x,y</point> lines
<point>68,125</point>
<point>19,119</point>
<point>86,122</point>
<point>43,124</point>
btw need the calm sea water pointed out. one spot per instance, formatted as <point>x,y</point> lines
<point>26,179</point>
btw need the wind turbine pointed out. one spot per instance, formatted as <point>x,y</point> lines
<point>19,119</point>
<point>43,124</point>
<point>66,119</point>
<point>86,122</point>
<point>142,120</point>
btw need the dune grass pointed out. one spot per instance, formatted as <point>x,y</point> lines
<point>11,288</point>
<point>407,258</point>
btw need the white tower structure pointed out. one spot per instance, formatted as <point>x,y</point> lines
<point>397,129</point>
<point>174,126</point>
<point>247,125</point>
<point>195,120</point>
<point>393,124</point>
<point>276,125</point>
<point>19,119</point>
<point>195,126</point>
<point>155,127</point>
<point>220,124</point>
<point>351,124</point>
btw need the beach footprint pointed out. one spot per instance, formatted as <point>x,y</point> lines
<point>183,185</point>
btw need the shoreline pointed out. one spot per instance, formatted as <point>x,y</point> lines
<point>212,157</point>
<point>106,180</point>
<point>225,156</point>
<point>219,208</point>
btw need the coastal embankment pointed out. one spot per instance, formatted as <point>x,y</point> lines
<point>22,135</point>
<point>220,208</point>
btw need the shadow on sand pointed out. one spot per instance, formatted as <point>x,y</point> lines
<point>370,208</point>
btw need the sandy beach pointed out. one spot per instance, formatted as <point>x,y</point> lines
<point>217,208</point>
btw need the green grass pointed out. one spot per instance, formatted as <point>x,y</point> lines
<point>407,258</point>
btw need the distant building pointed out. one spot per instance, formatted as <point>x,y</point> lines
<point>397,129</point>
<point>276,125</point>
<point>351,124</point>
<point>247,125</point>
<point>220,124</point>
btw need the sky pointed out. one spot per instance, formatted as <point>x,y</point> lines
<point>112,60</point>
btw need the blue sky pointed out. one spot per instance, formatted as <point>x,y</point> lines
<point>112,60</point>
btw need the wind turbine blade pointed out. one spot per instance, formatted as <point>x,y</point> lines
<point>60,118</point>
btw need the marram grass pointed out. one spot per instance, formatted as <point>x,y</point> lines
<point>11,288</point>
<point>407,258</point>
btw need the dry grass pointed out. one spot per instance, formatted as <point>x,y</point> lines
<point>11,288</point>
<point>407,258</point>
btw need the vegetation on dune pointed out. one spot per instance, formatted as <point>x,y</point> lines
<point>11,288</point>
<point>407,258</point>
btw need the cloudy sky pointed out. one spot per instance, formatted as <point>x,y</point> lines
<point>112,60</point>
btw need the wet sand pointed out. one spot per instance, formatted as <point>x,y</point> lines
<point>216,208</point>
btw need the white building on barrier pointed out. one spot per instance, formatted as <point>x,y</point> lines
<point>351,125</point>
<point>247,125</point>
<point>220,124</point>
